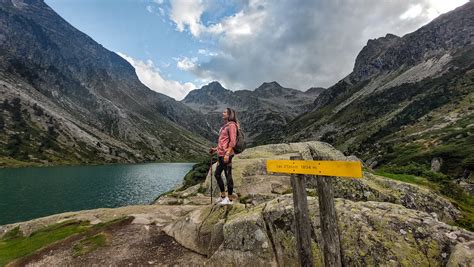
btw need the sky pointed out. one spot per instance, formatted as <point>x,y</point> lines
<point>180,45</point>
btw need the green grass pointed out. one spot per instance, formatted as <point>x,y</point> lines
<point>14,245</point>
<point>89,244</point>
<point>12,234</point>
<point>466,206</point>
<point>104,225</point>
<point>407,178</point>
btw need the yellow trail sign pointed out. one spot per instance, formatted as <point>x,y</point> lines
<point>317,167</point>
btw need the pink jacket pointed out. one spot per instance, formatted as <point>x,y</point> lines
<point>224,141</point>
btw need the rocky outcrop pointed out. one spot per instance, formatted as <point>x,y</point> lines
<point>372,233</point>
<point>254,185</point>
<point>436,164</point>
<point>462,255</point>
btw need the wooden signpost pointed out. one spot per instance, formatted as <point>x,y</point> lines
<point>322,170</point>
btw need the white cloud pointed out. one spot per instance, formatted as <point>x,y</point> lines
<point>206,52</point>
<point>159,2</point>
<point>186,63</point>
<point>149,8</point>
<point>436,7</point>
<point>299,43</point>
<point>187,13</point>
<point>162,11</point>
<point>150,76</point>
<point>413,12</point>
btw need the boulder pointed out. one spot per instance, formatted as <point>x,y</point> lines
<point>436,164</point>
<point>372,233</point>
<point>202,229</point>
<point>377,188</point>
<point>245,241</point>
<point>462,255</point>
<point>254,185</point>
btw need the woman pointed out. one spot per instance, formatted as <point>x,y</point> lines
<point>225,144</point>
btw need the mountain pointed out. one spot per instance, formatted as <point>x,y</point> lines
<point>66,99</point>
<point>261,112</point>
<point>409,100</point>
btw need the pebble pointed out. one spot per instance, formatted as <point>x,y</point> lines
<point>451,235</point>
<point>366,194</point>
<point>259,235</point>
<point>403,232</point>
<point>96,221</point>
<point>141,220</point>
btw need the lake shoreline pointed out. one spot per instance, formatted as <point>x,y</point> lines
<point>32,192</point>
<point>23,164</point>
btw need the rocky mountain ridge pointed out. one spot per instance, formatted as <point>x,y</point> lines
<point>73,97</point>
<point>408,100</point>
<point>261,111</point>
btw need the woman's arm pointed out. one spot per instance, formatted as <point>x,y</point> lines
<point>232,141</point>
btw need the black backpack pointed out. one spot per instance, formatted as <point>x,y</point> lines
<point>240,141</point>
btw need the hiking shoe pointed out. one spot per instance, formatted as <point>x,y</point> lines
<point>219,200</point>
<point>226,201</point>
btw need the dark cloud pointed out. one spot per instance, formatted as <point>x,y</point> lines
<point>302,43</point>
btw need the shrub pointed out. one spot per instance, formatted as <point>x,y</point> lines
<point>452,190</point>
<point>2,122</point>
<point>417,170</point>
<point>468,163</point>
<point>198,173</point>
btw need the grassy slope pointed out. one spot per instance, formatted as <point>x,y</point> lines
<point>14,246</point>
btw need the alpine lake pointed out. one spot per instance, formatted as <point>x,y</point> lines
<point>28,193</point>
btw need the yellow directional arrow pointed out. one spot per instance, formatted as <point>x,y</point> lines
<point>313,167</point>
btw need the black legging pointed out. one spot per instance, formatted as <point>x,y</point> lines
<point>227,168</point>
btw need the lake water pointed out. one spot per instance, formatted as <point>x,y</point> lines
<point>28,193</point>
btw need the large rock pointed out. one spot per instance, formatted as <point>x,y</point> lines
<point>377,188</point>
<point>251,180</point>
<point>246,242</point>
<point>202,229</point>
<point>254,185</point>
<point>463,255</point>
<point>372,233</point>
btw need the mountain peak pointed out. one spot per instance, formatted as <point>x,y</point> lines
<point>389,53</point>
<point>210,94</point>
<point>213,86</point>
<point>269,85</point>
<point>314,90</point>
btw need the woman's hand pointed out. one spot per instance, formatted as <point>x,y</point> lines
<point>226,158</point>
<point>212,150</point>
